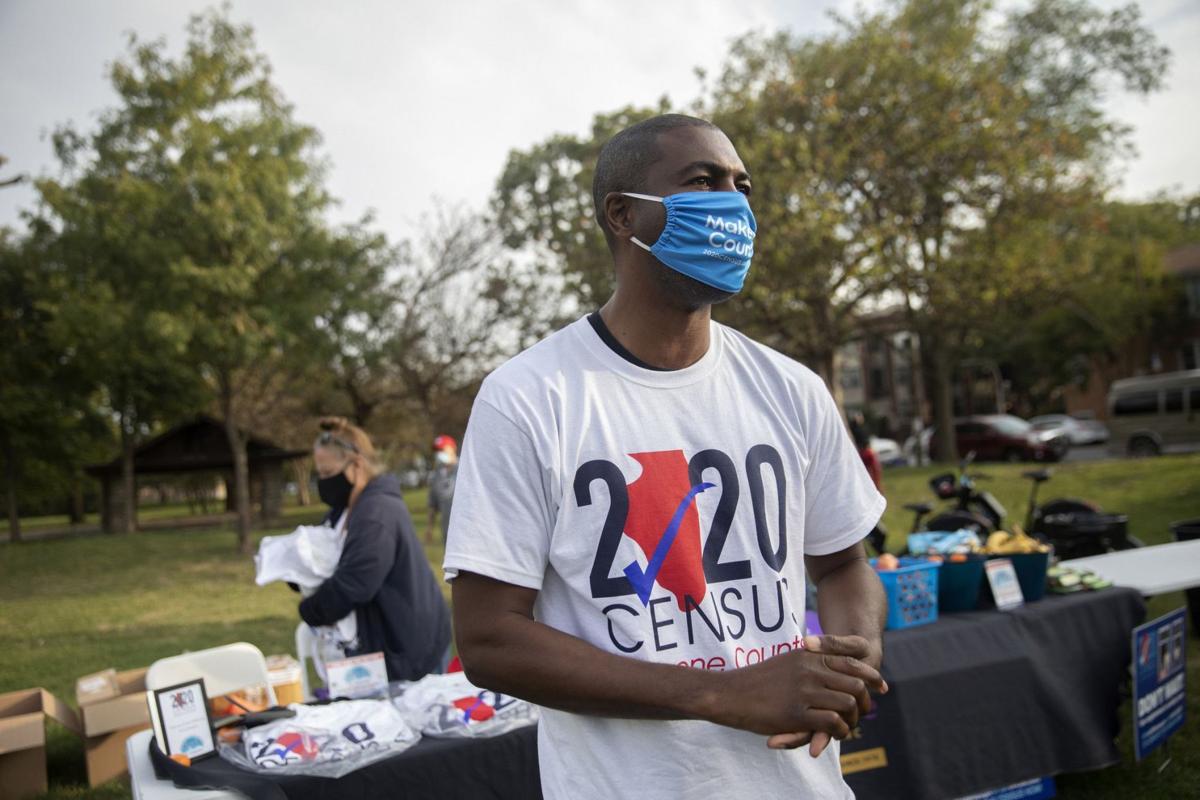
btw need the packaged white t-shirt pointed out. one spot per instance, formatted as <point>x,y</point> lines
<point>328,741</point>
<point>451,707</point>
<point>662,516</point>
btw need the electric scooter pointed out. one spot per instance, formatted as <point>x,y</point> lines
<point>974,509</point>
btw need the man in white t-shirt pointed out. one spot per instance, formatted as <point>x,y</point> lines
<point>640,498</point>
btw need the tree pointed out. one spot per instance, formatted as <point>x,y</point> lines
<point>1115,290</point>
<point>13,181</point>
<point>955,132</point>
<point>47,421</point>
<point>425,321</point>
<point>115,305</point>
<point>208,197</point>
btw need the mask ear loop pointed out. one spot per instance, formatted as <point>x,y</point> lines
<point>651,198</point>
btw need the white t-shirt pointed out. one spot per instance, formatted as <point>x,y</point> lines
<point>451,707</point>
<point>328,741</point>
<point>649,509</point>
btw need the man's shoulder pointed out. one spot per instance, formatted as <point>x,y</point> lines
<point>770,361</point>
<point>546,361</point>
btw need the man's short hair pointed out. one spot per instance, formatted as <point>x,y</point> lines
<point>624,159</point>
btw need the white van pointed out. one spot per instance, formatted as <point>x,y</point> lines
<point>1155,414</point>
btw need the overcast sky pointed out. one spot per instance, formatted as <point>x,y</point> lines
<point>416,100</point>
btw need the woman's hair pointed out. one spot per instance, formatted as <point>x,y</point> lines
<point>338,433</point>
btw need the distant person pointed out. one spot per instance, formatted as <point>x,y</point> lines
<point>862,442</point>
<point>441,485</point>
<point>383,575</point>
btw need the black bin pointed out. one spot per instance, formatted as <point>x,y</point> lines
<point>1186,531</point>
<point>1085,533</point>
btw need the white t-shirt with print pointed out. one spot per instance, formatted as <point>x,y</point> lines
<point>662,516</point>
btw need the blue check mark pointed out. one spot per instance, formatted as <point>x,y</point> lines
<point>643,582</point>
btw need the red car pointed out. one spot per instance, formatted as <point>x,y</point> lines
<point>1003,437</point>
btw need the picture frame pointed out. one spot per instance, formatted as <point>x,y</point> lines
<point>181,712</point>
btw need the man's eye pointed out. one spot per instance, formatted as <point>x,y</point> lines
<point>745,189</point>
<point>702,180</point>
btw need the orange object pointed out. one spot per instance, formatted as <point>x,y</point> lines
<point>229,735</point>
<point>935,559</point>
<point>180,758</point>
<point>958,558</point>
<point>238,703</point>
<point>887,561</point>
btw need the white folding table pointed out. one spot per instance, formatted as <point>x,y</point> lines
<point>1157,569</point>
<point>145,785</point>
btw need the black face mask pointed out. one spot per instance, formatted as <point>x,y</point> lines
<point>335,490</point>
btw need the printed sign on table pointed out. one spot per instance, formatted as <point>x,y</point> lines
<point>1159,695</point>
<point>360,676</point>
<point>1005,586</point>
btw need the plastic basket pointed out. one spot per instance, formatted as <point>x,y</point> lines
<point>912,593</point>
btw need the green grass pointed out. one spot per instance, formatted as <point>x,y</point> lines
<point>81,604</point>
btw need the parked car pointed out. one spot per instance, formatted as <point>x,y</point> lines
<point>1155,414</point>
<point>1078,431</point>
<point>889,453</point>
<point>1003,437</point>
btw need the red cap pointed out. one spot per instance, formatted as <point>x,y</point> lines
<point>444,442</point>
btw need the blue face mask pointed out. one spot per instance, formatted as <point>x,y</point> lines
<point>709,236</point>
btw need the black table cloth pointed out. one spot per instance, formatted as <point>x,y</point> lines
<point>978,701</point>
<point>499,768</point>
<point>986,699</point>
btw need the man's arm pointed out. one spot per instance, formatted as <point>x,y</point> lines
<point>850,598</point>
<point>503,648</point>
<point>367,559</point>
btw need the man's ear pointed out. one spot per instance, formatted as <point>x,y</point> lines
<point>618,215</point>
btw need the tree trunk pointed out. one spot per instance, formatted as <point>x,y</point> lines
<point>831,372</point>
<point>77,510</point>
<point>128,482</point>
<point>943,404</point>
<point>241,473</point>
<point>301,468</point>
<point>10,482</point>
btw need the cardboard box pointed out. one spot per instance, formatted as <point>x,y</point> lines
<point>113,707</point>
<point>283,671</point>
<point>23,739</point>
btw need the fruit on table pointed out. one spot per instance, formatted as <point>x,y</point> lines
<point>1005,543</point>
<point>887,561</point>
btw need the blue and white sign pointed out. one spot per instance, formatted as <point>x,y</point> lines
<point>1038,789</point>
<point>357,677</point>
<point>1159,696</point>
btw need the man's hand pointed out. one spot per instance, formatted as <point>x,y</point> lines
<point>820,690</point>
<point>847,655</point>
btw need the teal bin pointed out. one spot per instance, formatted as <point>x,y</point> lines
<point>959,583</point>
<point>1031,574</point>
